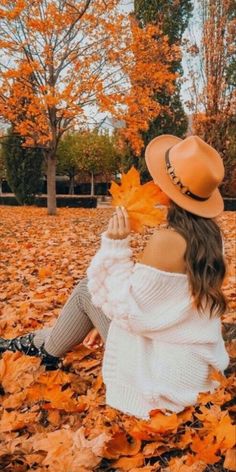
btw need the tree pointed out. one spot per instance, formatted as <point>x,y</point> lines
<point>80,54</point>
<point>174,17</point>
<point>23,166</point>
<point>213,92</point>
<point>100,155</point>
<point>87,151</point>
<point>68,155</point>
<point>3,169</point>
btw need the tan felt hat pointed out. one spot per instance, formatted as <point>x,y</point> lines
<point>188,171</point>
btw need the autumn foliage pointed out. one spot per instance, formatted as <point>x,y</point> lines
<point>213,92</point>
<point>70,60</point>
<point>58,421</point>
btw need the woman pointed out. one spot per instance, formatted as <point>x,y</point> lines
<point>159,318</point>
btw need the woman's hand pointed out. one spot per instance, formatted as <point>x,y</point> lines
<point>93,339</point>
<point>119,224</point>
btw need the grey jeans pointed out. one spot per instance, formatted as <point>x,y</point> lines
<point>77,318</point>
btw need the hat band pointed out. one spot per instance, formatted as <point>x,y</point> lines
<point>176,180</point>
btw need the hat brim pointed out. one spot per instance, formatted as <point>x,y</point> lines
<point>155,160</point>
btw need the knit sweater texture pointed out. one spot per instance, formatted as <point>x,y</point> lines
<point>159,349</point>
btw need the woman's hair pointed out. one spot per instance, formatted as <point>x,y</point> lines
<point>205,264</point>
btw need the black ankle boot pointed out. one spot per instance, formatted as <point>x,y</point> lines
<point>25,345</point>
<point>21,343</point>
<point>50,362</point>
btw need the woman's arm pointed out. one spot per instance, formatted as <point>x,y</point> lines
<point>109,275</point>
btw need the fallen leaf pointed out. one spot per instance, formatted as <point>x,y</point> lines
<point>119,445</point>
<point>126,463</point>
<point>230,460</point>
<point>205,450</point>
<point>68,400</point>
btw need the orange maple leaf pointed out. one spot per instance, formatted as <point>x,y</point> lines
<point>205,450</point>
<point>225,433</point>
<point>218,423</point>
<point>230,459</point>
<point>158,423</point>
<point>17,371</point>
<point>14,420</point>
<point>119,445</point>
<point>178,465</point>
<point>162,423</point>
<point>128,463</point>
<point>139,200</point>
<point>54,398</point>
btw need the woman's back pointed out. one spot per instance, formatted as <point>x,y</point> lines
<point>165,251</point>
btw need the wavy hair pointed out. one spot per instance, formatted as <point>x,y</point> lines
<point>205,263</point>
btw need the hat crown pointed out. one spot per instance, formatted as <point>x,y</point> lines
<point>197,165</point>
<point>188,171</point>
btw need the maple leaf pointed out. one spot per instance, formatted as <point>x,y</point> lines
<point>67,451</point>
<point>119,445</point>
<point>53,417</point>
<point>219,396</point>
<point>205,450</point>
<point>186,438</point>
<point>225,432</point>
<point>230,460</point>
<point>162,423</point>
<point>178,465</point>
<point>54,398</point>
<point>218,423</point>
<point>139,200</point>
<point>155,448</point>
<point>159,423</point>
<point>17,371</point>
<point>14,401</point>
<point>13,420</point>
<point>126,463</point>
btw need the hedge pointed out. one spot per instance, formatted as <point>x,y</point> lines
<point>75,201</point>
<point>62,201</point>
<point>229,204</point>
<point>62,188</point>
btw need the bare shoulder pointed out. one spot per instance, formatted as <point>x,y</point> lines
<point>165,250</point>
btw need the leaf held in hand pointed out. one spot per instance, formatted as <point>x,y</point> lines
<point>139,200</point>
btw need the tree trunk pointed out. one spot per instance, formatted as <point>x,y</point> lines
<point>51,185</point>
<point>1,187</point>
<point>72,185</point>
<point>92,185</point>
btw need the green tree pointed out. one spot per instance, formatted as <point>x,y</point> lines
<point>174,17</point>
<point>99,155</point>
<point>23,167</point>
<point>87,151</point>
<point>68,158</point>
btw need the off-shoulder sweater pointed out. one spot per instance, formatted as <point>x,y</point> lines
<point>159,349</point>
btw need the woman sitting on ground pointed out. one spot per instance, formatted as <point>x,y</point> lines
<point>159,318</point>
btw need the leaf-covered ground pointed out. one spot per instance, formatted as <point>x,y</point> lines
<point>58,421</point>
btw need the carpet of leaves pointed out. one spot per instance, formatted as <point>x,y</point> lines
<point>58,421</point>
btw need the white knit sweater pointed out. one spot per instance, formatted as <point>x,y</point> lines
<point>158,349</point>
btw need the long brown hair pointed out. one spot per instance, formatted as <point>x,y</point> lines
<point>205,263</point>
